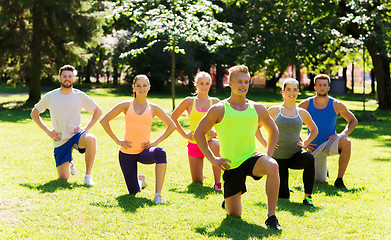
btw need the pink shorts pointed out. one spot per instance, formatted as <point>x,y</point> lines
<point>194,151</point>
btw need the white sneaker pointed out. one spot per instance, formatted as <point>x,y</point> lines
<point>88,180</point>
<point>141,179</point>
<point>158,199</point>
<point>72,167</point>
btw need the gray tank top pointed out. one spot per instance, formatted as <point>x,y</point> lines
<point>289,128</point>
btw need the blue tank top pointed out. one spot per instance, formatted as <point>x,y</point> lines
<point>325,119</point>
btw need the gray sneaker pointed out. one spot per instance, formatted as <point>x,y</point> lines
<point>72,167</point>
<point>158,199</point>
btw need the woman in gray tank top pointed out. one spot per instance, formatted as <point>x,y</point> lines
<point>289,154</point>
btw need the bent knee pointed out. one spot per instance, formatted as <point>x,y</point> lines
<point>345,142</point>
<point>273,165</point>
<point>160,155</point>
<point>89,140</point>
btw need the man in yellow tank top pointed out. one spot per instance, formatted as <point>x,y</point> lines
<point>236,120</point>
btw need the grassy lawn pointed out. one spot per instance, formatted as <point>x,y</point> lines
<point>34,205</point>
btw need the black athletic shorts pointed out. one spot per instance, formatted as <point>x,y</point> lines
<point>235,179</point>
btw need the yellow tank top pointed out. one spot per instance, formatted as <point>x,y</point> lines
<point>195,117</point>
<point>138,128</point>
<point>236,133</point>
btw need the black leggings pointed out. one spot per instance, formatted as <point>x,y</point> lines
<point>300,160</point>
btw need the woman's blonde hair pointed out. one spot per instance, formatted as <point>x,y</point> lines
<point>199,75</point>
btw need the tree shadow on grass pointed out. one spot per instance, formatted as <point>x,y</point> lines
<point>330,190</point>
<point>53,186</point>
<point>237,228</point>
<point>198,190</point>
<point>14,111</point>
<point>296,208</point>
<point>130,203</point>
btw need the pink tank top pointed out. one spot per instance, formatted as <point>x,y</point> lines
<point>138,129</point>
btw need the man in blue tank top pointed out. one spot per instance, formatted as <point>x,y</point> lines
<point>324,111</point>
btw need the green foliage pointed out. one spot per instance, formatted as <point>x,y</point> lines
<point>174,20</point>
<point>66,30</point>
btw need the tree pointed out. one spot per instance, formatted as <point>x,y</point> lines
<point>55,32</point>
<point>282,33</point>
<point>173,21</point>
<point>369,22</point>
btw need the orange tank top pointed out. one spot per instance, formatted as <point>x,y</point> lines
<point>138,128</point>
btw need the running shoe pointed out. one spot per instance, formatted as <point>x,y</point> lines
<point>339,184</point>
<point>141,178</point>
<point>272,222</point>
<point>307,201</point>
<point>217,186</point>
<point>72,167</point>
<point>158,199</point>
<point>88,180</point>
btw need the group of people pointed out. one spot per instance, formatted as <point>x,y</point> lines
<point>224,132</point>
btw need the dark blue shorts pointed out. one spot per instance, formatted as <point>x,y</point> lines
<point>63,153</point>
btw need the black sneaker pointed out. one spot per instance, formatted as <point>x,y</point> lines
<point>339,184</point>
<point>308,201</point>
<point>223,204</point>
<point>272,222</point>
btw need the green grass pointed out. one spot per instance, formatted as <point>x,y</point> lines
<point>34,205</point>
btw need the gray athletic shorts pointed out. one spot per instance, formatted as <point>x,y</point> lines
<point>328,148</point>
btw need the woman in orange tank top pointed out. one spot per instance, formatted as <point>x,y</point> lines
<point>196,108</point>
<point>136,145</point>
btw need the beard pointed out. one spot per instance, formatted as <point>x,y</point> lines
<point>322,94</point>
<point>66,85</point>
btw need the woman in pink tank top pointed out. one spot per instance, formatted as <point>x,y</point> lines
<point>136,145</point>
<point>196,108</point>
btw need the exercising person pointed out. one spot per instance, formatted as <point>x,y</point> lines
<point>236,120</point>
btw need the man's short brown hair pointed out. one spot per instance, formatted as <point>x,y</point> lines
<point>68,68</point>
<point>322,76</point>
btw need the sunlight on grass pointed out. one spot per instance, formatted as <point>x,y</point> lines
<point>35,205</point>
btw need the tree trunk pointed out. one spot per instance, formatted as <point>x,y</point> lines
<point>219,76</point>
<point>36,46</point>
<point>345,79</point>
<point>298,75</point>
<point>373,81</point>
<point>353,77</point>
<point>381,66</point>
<point>115,74</point>
<point>173,75</point>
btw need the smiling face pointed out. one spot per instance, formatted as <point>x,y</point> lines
<point>203,84</point>
<point>239,83</point>
<point>141,87</point>
<point>290,91</point>
<point>67,78</point>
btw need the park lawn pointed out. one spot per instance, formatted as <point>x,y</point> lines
<point>34,205</point>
